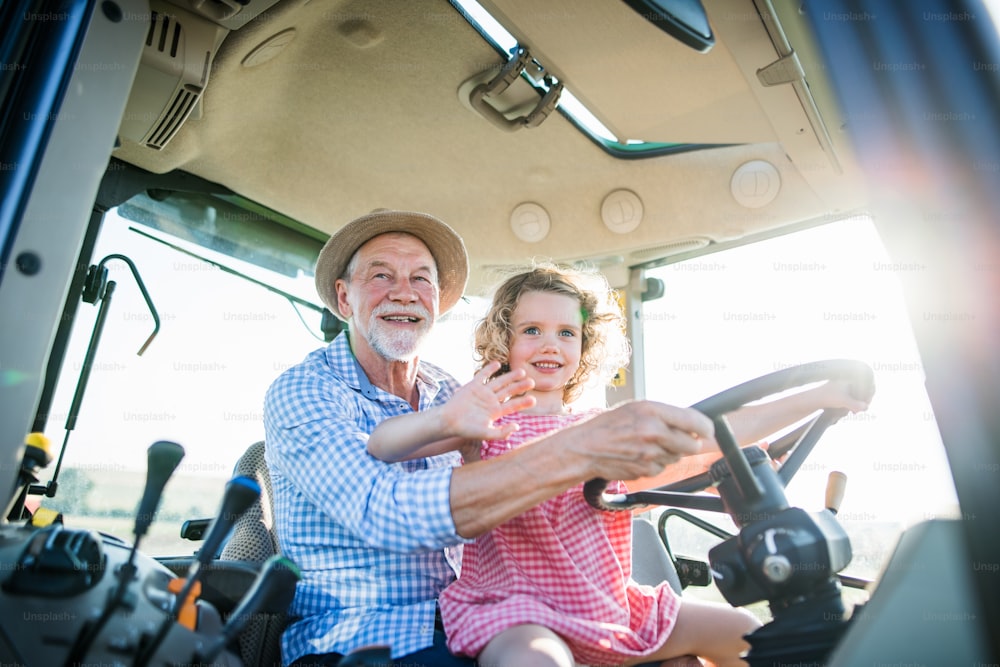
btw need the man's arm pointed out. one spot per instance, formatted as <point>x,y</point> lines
<point>317,432</point>
<point>632,440</point>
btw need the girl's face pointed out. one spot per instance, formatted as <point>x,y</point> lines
<point>547,341</point>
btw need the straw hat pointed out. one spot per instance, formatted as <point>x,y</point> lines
<point>444,244</point>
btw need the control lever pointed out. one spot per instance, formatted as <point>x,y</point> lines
<point>240,493</point>
<point>836,483</point>
<point>162,459</point>
<point>271,593</point>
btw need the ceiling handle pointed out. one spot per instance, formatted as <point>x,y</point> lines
<point>510,71</point>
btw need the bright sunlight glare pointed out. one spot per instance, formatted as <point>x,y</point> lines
<point>826,293</point>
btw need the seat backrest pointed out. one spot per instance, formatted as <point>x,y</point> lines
<point>253,537</point>
<point>651,563</point>
<point>254,540</point>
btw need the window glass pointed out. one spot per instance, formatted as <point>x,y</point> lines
<point>828,292</point>
<point>200,383</point>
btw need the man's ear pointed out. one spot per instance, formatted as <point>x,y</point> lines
<point>345,308</point>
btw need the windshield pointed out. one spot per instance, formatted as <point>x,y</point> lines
<point>824,293</point>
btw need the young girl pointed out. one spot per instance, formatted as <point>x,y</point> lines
<point>553,585</point>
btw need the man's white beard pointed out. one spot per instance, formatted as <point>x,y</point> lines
<point>393,344</point>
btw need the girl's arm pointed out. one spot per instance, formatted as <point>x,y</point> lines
<point>752,423</point>
<point>467,416</point>
<point>411,436</point>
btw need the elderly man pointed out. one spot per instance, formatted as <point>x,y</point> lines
<point>375,541</point>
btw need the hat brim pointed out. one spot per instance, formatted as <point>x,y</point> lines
<point>444,244</point>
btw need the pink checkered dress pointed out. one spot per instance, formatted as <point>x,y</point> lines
<point>564,565</point>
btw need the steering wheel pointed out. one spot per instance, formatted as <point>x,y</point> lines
<point>735,468</point>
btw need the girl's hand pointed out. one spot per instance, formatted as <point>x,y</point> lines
<point>475,406</point>
<point>837,394</point>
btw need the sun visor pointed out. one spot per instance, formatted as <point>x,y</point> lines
<point>689,96</point>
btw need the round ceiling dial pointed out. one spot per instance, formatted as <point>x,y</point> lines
<point>755,183</point>
<point>621,211</point>
<point>530,222</point>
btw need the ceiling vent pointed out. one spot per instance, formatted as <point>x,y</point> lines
<point>173,73</point>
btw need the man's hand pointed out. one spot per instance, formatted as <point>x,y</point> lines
<point>639,439</point>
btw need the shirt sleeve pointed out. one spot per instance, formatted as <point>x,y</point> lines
<point>317,435</point>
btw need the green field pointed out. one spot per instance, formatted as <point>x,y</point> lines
<point>107,500</point>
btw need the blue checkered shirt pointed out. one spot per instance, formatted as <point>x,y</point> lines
<point>372,538</point>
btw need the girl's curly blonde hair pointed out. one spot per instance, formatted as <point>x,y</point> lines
<point>605,347</point>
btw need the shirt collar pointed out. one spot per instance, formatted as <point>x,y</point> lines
<point>428,377</point>
<point>369,390</point>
